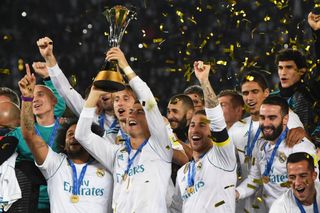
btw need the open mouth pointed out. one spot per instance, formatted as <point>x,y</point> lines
<point>132,123</point>
<point>36,106</point>
<point>121,111</point>
<point>252,104</point>
<point>300,190</point>
<point>195,137</point>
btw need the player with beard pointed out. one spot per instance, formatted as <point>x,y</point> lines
<point>207,183</point>
<point>76,182</point>
<point>104,115</point>
<point>304,195</point>
<point>270,153</point>
<point>196,94</point>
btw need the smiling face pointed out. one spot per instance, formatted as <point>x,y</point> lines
<point>122,101</point>
<point>199,133</point>
<point>72,146</point>
<point>272,123</point>
<point>289,73</point>
<point>302,179</point>
<point>136,122</point>
<point>43,101</point>
<point>253,96</point>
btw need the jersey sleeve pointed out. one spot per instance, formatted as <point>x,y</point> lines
<point>102,149</point>
<point>222,154</point>
<point>159,138</point>
<point>294,120</point>
<point>278,206</point>
<point>72,98</point>
<point>51,164</point>
<point>249,185</point>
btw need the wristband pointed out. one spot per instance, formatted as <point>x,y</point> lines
<point>127,70</point>
<point>27,99</point>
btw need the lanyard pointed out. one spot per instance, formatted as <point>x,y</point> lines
<point>125,137</point>
<point>315,205</point>
<point>250,146</point>
<point>130,160</point>
<point>77,182</point>
<point>192,171</point>
<point>270,161</point>
<point>115,123</point>
<point>53,133</point>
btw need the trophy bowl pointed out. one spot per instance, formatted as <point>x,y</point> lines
<point>109,78</point>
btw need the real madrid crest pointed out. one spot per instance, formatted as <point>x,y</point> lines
<point>282,157</point>
<point>100,172</point>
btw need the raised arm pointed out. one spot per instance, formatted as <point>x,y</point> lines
<point>72,98</point>
<point>37,145</point>
<point>154,118</point>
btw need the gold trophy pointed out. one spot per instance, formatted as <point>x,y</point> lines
<point>109,78</point>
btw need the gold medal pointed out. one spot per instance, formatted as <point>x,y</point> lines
<point>247,159</point>
<point>190,189</point>
<point>265,179</point>
<point>74,198</point>
<point>100,172</point>
<point>199,165</point>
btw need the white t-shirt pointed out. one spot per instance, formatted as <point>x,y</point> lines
<point>287,204</point>
<point>278,173</point>
<point>214,181</point>
<point>146,187</point>
<point>95,191</point>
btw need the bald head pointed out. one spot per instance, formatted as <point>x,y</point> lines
<point>9,115</point>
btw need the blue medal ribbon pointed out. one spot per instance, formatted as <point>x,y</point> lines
<point>192,171</point>
<point>315,205</point>
<point>129,148</point>
<point>77,182</point>
<point>53,133</point>
<point>273,154</point>
<point>114,127</point>
<point>250,145</point>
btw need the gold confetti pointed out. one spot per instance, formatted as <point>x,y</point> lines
<point>221,62</point>
<point>251,186</point>
<point>219,203</point>
<point>5,71</point>
<point>157,40</point>
<point>73,80</point>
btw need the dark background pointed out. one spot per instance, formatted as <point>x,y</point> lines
<point>234,36</point>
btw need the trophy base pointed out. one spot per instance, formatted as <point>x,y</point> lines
<point>109,81</point>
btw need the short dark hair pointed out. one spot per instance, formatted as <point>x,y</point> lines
<point>254,76</point>
<point>278,101</point>
<point>186,100</point>
<point>292,55</point>
<point>195,89</point>
<point>60,140</point>
<point>236,98</point>
<point>12,95</point>
<point>301,156</point>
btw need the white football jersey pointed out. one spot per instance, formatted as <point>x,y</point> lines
<point>214,181</point>
<point>145,188</point>
<point>95,190</point>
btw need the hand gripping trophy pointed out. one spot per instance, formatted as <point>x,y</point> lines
<point>109,78</point>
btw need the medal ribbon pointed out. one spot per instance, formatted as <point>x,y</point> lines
<point>114,126</point>
<point>53,133</point>
<point>250,146</point>
<point>77,182</point>
<point>192,171</point>
<point>130,160</point>
<point>270,161</point>
<point>315,205</point>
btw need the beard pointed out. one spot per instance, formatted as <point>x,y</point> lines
<point>276,131</point>
<point>182,124</point>
<point>75,153</point>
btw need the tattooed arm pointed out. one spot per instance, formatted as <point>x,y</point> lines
<point>36,144</point>
<point>202,73</point>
